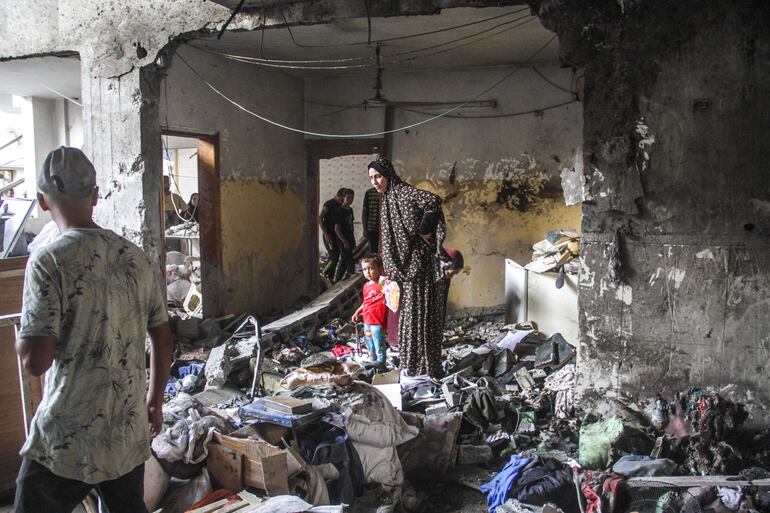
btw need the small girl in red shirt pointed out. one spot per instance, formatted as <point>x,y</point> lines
<point>373,308</point>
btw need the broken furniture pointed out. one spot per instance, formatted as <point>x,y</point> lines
<point>531,295</point>
<point>242,459</point>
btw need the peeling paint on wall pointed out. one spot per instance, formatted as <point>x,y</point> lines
<point>486,231</point>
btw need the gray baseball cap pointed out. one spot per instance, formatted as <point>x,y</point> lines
<point>67,171</point>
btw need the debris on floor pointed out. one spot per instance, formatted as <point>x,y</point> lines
<point>299,418</point>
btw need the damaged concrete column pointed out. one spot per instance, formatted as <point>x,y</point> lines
<point>675,233</point>
<point>126,154</point>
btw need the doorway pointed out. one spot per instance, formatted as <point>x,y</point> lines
<point>191,222</point>
<point>331,166</point>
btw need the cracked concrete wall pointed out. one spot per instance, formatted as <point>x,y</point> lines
<point>467,161</point>
<point>262,171</point>
<point>676,102</point>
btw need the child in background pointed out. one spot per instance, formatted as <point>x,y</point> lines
<point>373,308</point>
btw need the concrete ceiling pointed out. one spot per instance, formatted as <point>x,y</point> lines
<point>33,77</point>
<point>459,38</point>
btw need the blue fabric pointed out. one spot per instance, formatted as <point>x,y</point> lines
<point>192,368</point>
<point>170,389</point>
<point>497,488</point>
<point>374,343</point>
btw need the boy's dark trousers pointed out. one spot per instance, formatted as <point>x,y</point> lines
<point>38,490</point>
<point>345,265</point>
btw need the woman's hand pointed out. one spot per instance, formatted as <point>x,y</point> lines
<point>427,237</point>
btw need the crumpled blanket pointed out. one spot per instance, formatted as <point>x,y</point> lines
<point>563,383</point>
<point>186,440</point>
<point>335,373</point>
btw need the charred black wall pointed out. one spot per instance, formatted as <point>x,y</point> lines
<point>674,278</point>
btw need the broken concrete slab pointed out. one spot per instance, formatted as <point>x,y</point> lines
<point>218,366</point>
<point>215,396</point>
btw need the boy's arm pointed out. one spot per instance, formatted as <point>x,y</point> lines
<point>160,362</point>
<point>36,353</point>
<point>321,219</point>
<point>42,302</point>
<point>358,312</point>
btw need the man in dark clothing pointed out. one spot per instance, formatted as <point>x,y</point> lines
<point>370,217</point>
<point>326,221</point>
<point>343,228</point>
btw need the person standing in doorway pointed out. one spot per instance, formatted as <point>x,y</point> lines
<point>412,228</point>
<point>370,217</point>
<point>173,204</point>
<point>192,213</point>
<point>326,220</point>
<point>90,296</point>
<point>343,228</point>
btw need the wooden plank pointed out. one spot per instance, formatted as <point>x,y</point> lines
<point>12,429</point>
<point>225,466</point>
<point>209,198</point>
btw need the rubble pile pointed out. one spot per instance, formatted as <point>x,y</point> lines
<point>294,416</point>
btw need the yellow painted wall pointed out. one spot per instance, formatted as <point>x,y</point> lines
<point>487,233</point>
<point>263,249</point>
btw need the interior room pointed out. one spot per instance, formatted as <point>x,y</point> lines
<point>367,256</point>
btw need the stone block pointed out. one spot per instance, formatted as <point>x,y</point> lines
<point>218,366</point>
<point>437,409</point>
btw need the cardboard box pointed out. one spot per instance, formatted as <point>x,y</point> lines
<point>240,459</point>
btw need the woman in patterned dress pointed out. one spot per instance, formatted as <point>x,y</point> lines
<point>412,230</point>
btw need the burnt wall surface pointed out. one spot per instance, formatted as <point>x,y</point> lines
<point>498,175</point>
<point>676,226</point>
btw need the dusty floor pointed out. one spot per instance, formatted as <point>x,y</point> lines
<point>455,498</point>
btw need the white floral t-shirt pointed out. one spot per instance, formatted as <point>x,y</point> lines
<point>96,293</point>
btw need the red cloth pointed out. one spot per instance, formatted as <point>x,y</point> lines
<point>374,304</point>
<point>341,350</point>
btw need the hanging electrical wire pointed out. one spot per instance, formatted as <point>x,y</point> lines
<point>365,135</point>
<point>247,60</point>
<point>399,38</point>
<point>489,116</point>
<point>361,105</point>
<point>445,50</point>
<point>300,64</point>
<point>527,17</point>
<point>557,86</point>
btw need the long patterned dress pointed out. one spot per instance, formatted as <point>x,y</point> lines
<point>410,261</point>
